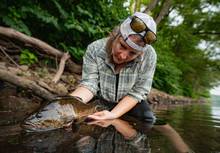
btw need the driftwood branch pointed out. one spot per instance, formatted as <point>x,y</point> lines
<point>26,84</point>
<point>61,67</point>
<point>30,41</point>
<point>40,45</point>
<point>9,46</point>
<point>164,11</point>
<point>2,50</point>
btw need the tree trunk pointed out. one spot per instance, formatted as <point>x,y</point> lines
<point>164,11</point>
<point>151,6</point>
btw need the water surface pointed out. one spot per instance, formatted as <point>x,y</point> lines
<point>193,128</point>
<point>198,125</point>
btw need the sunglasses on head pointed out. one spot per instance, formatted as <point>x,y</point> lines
<point>138,26</point>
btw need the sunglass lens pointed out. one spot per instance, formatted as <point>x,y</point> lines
<point>137,25</point>
<point>150,37</point>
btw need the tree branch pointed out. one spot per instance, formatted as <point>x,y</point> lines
<point>164,11</point>
<point>208,32</point>
<point>30,41</point>
<point>42,46</point>
<point>151,6</point>
<point>61,67</point>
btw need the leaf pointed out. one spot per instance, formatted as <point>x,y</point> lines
<point>42,15</point>
<point>27,57</point>
<point>61,10</point>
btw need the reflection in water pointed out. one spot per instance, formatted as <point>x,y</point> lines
<point>197,125</point>
<point>175,139</point>
<point>118,136</point>
<point>216,109</point>
<point>122,136</point>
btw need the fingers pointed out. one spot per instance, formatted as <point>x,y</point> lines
<point>96,117</point>
<point>102,115</point>
<point>93,122</point>
<point>88,119</point>
<point>99,113</point>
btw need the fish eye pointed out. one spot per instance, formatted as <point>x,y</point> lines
<point>38,115</point>
<point>31,117</point>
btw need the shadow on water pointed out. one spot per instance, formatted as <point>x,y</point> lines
<point>190,128</point>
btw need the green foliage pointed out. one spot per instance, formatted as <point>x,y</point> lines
<point>73,23</point>
<point>182,67</point>
<point>168,75</point>
<point>14,20</point>
<point>41,14</point>
<point>77,53</point>
<point>27,57</point>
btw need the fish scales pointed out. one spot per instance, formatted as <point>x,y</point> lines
<point>59,113</point>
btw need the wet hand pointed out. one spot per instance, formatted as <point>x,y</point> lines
<point>103,115</point>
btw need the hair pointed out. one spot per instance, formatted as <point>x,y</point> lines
<point>112,37</point>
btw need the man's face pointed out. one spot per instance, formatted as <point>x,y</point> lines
<point>122,52</point>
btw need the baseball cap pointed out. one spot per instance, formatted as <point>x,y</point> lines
<point>147,29</point>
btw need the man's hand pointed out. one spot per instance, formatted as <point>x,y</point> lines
<point>103,115</point>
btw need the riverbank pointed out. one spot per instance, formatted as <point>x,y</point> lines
<point>16,103</point>
<point>161,100</point>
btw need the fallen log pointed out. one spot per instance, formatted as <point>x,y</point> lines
<point>26,84</point>
<point>40,45</point>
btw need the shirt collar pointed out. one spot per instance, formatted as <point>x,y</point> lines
<point>136,60</point>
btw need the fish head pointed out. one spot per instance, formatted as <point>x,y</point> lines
<point>52,116</point>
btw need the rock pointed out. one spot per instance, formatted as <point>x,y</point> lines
<point>69,79</point>
<point>61,89</point>
<point>158,97</point>
<point>24,67</point>
<point>15,70</point>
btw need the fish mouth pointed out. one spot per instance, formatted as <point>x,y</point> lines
<point>31,127</point>
<point>28,125</point>
<point>45,125</point>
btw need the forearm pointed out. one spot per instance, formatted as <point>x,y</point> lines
<point>126,104</point>
<point>85,94</point>
<point>173,136</point>
<point>124,128</point>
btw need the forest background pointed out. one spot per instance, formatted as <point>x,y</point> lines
<point>187,44</point>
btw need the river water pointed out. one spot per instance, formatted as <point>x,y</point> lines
<point>194,128</point>
<point>198,125</point>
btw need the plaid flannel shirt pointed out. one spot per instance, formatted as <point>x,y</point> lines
<point>99,76</point>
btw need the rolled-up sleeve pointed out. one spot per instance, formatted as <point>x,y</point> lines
<point>90,70</point>
<point>143,84</point>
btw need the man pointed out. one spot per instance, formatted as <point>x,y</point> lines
<point>120,68</point>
